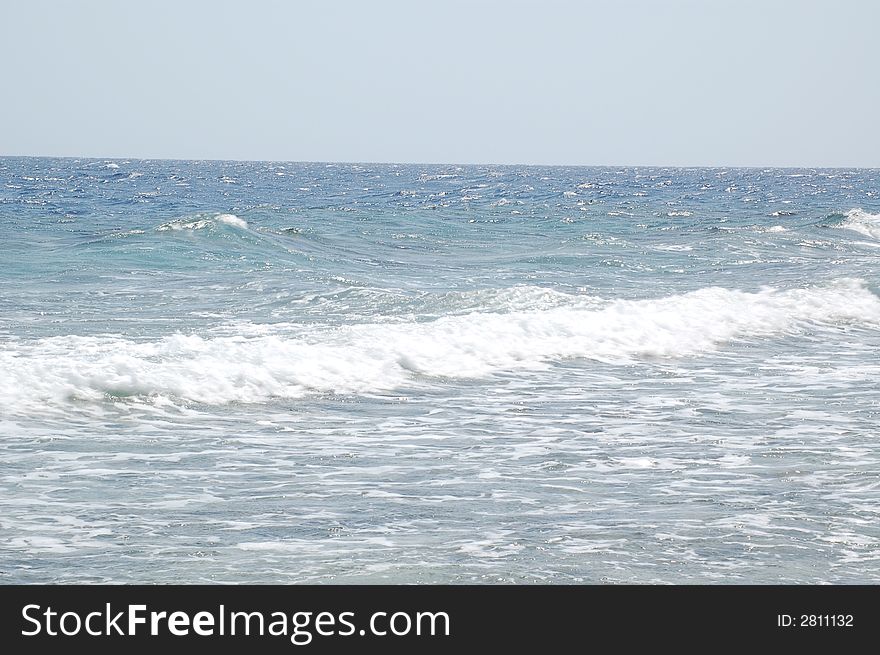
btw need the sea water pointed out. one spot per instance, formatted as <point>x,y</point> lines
<point>280,372</point>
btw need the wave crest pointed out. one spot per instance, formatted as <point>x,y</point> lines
<point>862,222</point>
<point>201,222</point>
<point>290,361</point>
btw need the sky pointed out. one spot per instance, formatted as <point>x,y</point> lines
<point>624,82</point>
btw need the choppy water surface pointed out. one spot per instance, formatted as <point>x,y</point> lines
<point>271,372</point>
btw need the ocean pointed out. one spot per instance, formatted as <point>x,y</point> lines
<point>269,372</point>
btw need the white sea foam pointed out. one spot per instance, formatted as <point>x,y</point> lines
<point>233,220</point>
<point>863,222</point>
<point>181,224</point>
<point>202,222</point>
<point>289,361</point>
<point>513,299</point>
<point>674,247</point>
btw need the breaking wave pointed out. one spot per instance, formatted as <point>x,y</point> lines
<point>862,222</point>
<point>292,360</point>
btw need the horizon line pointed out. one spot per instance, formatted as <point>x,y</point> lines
<point>435,163</point>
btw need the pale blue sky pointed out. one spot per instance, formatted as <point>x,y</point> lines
<point>764,83</point>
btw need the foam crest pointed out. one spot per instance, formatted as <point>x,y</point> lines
<point>290,361</point>
<point>862,222</point>
<point>202,222</point>
<point>233,220</point>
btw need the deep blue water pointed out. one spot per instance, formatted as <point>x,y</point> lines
<point>281,372</point>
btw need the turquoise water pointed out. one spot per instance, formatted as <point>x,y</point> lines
<point>275,372</point>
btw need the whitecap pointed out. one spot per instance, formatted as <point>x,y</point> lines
<point>862,222</point>
<point>202,222</point>
<point>233,220</point>
<point>291,361</point>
